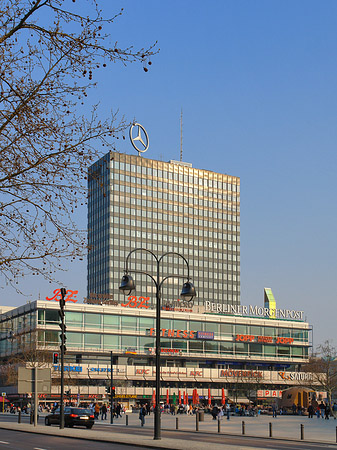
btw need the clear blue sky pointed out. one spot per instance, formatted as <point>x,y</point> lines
<point>257,84</point>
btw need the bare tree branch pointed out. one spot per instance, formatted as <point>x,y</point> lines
<point>46,142</point>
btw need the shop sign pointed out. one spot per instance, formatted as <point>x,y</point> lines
<point>206,335</point>
<point>68,298</point>
<point>240,373</point>
<point>131,351</point>
<point>126,396</point>
<point>264,339</point>
<point>178,305</point>
<point>182,334</point>
<point>269,393</point>
<point>139,303</point>
<point>196,373</point>
<point>296,376</point>
<point>90,369</point>
<point>68,368</point>
<point>254,311</point>
<point>100,299</point>
<point>142,371</point>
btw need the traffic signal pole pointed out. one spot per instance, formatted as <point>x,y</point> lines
<point>62,348</point>
<point>111,384</point>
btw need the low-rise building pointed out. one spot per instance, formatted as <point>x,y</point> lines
<point>202,347</point>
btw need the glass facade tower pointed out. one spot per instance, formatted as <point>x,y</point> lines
<point>136,202</point>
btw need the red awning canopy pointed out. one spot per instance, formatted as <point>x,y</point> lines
<point>2,399</point>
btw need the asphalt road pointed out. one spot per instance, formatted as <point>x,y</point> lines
<point>17,440</point>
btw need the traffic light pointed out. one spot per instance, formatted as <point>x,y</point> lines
<point>63,342</point>
<point>68,393</point>
<point>107,389</point>
<point>55,358</point>
<point>63,327</point>
<point>61,314</point>
<point>113,391</point>
<point>63,337</point>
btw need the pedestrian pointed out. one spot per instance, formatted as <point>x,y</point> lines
<point>142,414</point>
<point>310,411</point>
<point>118,410</point>
<point>334,410</point>
<point>327,412</point>
<point>214,412</point>
<point>274,410</point>
<point>322,408</point>
<point>104,411</point>
<point>228,410</point>
<point>97,408</point>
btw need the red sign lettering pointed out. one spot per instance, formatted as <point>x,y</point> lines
<point>284,340</point>
<point>182,334</point>
<point>68,298</point>
<point>142,371</point>
<point>140,303</point>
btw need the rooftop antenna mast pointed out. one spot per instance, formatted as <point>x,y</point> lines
<point>181,134</point>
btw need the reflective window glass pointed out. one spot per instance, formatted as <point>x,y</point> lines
<point>92,320</point>
<point>111,341</point>
<point>111,321</point>
<point>92,340</point>
<point>52,316</point>
<point>74,319</point>
<point>129,322</point>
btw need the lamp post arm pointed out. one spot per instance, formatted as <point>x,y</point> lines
<point>180,256</point>
<point>143,273</point>
<point>137,250</point>
<point>169,276</point>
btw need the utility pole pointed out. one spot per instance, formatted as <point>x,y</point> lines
<point>36,396</point>
<point>63,350</point>
<point>111,389</point>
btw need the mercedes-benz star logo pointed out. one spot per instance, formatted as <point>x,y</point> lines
<point>141,137</point>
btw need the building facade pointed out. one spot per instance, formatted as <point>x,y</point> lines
<point>201,349</point>
<point>163,206</point>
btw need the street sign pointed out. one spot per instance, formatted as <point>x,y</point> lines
<point>26,380</point>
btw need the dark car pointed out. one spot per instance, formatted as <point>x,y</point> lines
<point>72,416</point>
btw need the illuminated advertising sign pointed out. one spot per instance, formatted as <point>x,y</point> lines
<point>264,339</point>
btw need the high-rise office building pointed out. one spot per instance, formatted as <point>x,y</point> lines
<point>135,202</point>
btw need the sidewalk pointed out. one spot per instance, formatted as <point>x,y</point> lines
<point>136,440</point>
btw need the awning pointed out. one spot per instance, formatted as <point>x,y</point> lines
<point>2,399</point>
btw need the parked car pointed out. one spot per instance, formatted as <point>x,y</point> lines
<point>72,416</point>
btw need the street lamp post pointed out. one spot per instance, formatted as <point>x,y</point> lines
<point>188,293</point>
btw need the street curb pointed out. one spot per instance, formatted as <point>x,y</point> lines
<point>151,443</point>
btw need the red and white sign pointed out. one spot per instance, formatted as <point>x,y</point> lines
<point>269,394</point>
<point>68,298</point>
<point>263,339</point>
<point>134,302</point>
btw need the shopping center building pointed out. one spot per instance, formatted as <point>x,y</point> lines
<point>244,350</point>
